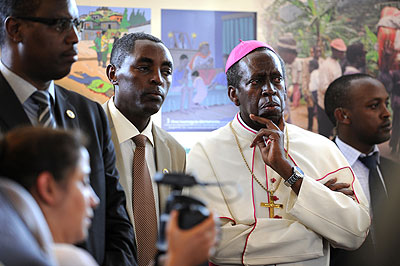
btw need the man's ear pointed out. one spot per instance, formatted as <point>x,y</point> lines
<point>47,189</point>
<point>233,95</point>
<point>13,29</point>
<point>111,72</point>
<point>342,116</point>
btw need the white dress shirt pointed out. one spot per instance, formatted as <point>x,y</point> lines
<point>67,255</point>
<point>329,70</point>
<point>125,131</point>
<point>360,170</point>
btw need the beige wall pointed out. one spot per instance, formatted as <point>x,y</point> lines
<point>187,139</point>
<point>157,5</point>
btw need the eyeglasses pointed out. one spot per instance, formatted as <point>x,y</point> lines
<point>59,24</point>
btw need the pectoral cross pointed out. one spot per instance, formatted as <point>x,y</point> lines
<point>271,204</point>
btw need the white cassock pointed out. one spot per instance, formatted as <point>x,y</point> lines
<point>301,232</point>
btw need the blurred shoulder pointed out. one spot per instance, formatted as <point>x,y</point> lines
<point>67,254</point>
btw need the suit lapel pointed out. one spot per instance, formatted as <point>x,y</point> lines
<point>12,113</point>
<point>163,154</point>
<point>163,163</point>
<point>114,137</point>
<point>65,112</point>
<point>390,170</point>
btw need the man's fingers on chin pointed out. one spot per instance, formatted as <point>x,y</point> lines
<point>264,121</point>
<point>271,125</point>
<point>258,118</point>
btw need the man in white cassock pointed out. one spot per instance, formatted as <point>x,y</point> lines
<point>290,209</point>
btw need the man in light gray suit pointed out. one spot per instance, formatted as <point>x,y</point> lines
<point>141,72</point>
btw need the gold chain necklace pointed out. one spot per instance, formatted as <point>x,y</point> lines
<point>270,192</point>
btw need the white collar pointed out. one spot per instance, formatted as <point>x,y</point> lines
<point>124,129</point>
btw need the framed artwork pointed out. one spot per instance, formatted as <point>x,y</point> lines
<point>102,27</point>
<point>200,42</point>
<point>367,37</point>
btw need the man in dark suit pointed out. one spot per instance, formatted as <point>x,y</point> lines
<point>39,44</point>
<point>358,105</point>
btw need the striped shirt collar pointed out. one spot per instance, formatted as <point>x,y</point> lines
<point>352,154</point>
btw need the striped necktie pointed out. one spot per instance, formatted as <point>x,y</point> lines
<point>42,99</point>
<point>144,211</point>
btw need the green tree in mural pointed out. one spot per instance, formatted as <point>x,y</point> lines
<point>137,18</point>
<point>124,22</point>
<point>364,19</point>
<point>316,23</point>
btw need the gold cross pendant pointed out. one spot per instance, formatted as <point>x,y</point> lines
<point>271,205</point>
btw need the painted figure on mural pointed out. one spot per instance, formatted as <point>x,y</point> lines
<point>104,48</point>
<point>180,82</point>
<point>330,70</point>
<point>97,46</point>
<point>355,59</point>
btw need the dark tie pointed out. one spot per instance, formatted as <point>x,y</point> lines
<point>42,99</point>
<point>376,189</point>
<point>144,211</point>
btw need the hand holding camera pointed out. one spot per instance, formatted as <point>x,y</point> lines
<point>187,230</point>
<point>189,246</point>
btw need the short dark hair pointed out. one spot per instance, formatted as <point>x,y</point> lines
<point>338,94</point>
<point>15,8</point>
<point>313,65</point>
<point>233,75</point>
<point>286,50</point>
<point>28,151</point>
<point>183,56</point>
<point>354,51</point>
<point>125,45</point>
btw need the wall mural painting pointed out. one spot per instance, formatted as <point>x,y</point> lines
<point>102,27</point>
<point>364,34</point>
<point>200,42</point>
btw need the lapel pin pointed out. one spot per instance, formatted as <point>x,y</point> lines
<point>70,114</point>
<point>165,171</point>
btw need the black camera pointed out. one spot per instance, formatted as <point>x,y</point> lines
<point>192,211</point>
